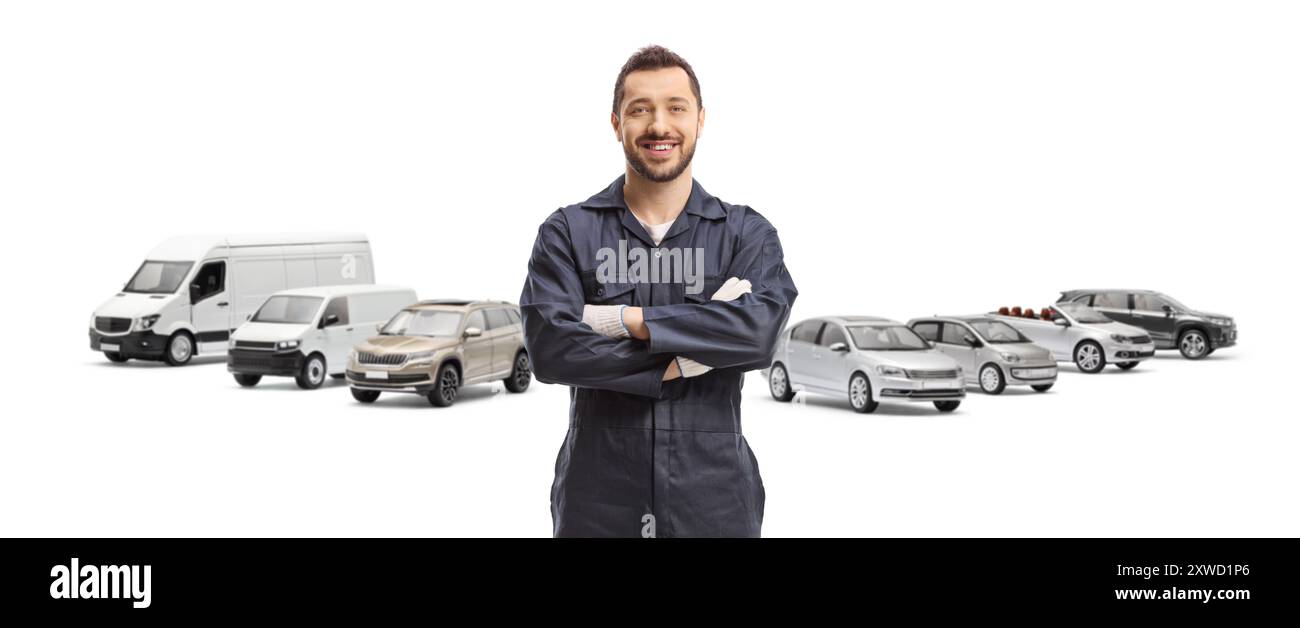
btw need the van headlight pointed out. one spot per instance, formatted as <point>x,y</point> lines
<point>891,371</point>
<point>287,345</point>
<point>1010,357</point>
<point>420,358</point>
<point>147,322</point>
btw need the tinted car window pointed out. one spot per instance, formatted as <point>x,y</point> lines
<point>211,279</point>
<point>954,334</point>
<point>833,334</point>
<point>338,306</point>
<point>497,318</point>
<point>807,332</point>
<point>1116,300</point>
<point>929,331</point>
<point>1149,302</point>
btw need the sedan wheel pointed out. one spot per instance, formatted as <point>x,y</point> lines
<point>778,383</point>
<point>860,394</point>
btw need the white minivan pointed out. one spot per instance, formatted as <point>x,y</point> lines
<point>192,291</point>
<point>307,333</point>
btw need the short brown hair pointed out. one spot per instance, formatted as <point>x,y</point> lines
<point>654,58</point>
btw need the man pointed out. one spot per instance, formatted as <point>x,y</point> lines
<point>651,300</point>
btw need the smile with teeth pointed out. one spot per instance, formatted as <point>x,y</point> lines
<point>659,147</point>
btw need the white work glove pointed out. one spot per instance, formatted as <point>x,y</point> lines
<point>606,320</point>
<point>731,289</point>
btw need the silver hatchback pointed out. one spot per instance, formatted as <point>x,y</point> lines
<point>993,354</point>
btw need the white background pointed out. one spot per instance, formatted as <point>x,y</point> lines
<point>916,158</point>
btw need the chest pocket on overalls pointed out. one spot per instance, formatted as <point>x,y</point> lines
<point>608,293</point>
<point>711,285</point>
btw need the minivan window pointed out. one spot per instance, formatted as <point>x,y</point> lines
<point>158,277</point>
<point>211,280</point>
<point>294,310</point>
<point>422,323</point>
<point>887,338</point>
<point>496,318</point>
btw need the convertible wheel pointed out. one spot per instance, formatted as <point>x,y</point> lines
<point>1089,357</point>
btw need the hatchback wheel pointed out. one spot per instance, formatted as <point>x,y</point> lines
<point>778,383</point>
<point>991,380</point>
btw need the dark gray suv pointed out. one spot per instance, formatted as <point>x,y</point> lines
<point>1171,324</point>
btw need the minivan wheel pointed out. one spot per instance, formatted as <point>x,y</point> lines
<point>991,380</point>
<point>312,373</point>
<point>520,375</point>
<point>444,393</point>
<point>1041,387</point>
<point>778,383</point>
<point>1089,357</point>
<point>860,394</point>
<point>113,356</point>
<point>179,350</point>
<point>247,380</point>
<point>947,406</point>
<point>365,396</point>
<point>1124,366</point>
<point>1193,344</point>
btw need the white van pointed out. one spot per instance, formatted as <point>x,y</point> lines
<point>308,332</point>
<point>192,291</point>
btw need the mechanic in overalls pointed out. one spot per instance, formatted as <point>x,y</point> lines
<point>655,360</point>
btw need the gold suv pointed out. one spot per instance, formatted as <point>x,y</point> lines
<point>433,348</point>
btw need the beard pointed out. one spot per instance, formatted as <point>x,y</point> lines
<point>648,173</point>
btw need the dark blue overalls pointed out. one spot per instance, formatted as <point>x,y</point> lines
<point>637,445</point>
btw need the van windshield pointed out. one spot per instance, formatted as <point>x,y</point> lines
<point>293,310</point>
<point>423,323</point>
<point>158,277</point>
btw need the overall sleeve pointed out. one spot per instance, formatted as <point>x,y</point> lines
<point>732,334</point>
<point>561,348</point>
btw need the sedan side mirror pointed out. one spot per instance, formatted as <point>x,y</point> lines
<point>839,347</point>
<point>473,332</point>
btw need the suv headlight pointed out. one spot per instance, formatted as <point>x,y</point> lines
<point>287,345</point>
<point>420,358</point>
<point>891,371</point>
<point>147,322</point>
<point>1119,338</point>
<point>1010,357</point>
<point>352,355</point>
<point>1221,322</point>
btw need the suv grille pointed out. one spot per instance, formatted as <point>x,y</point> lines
<point>385,359</point>
<point>112,325</point>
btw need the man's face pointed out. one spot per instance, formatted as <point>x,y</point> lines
<point>658,123</point>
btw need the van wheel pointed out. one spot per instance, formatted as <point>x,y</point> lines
<point>778,383</point>
<point>1193,345</point>
<point>365,396</point>
<point>1126,365</point>
<point>947,406</point>
<point>312,373</point>
<point>247,380</point>
<point>444,393</point>
<point>1089,357</point>
<point>520,375</point>
<point>860,394</point>
<point>1041,387</point>
<point>113,356</point>
<point>180,348</point>
<point>991,380</point>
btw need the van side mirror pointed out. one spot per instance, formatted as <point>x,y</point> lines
<point>195,289</point>
<point>330,319</point>
<point>839,347</point>
<point>473,332</point>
